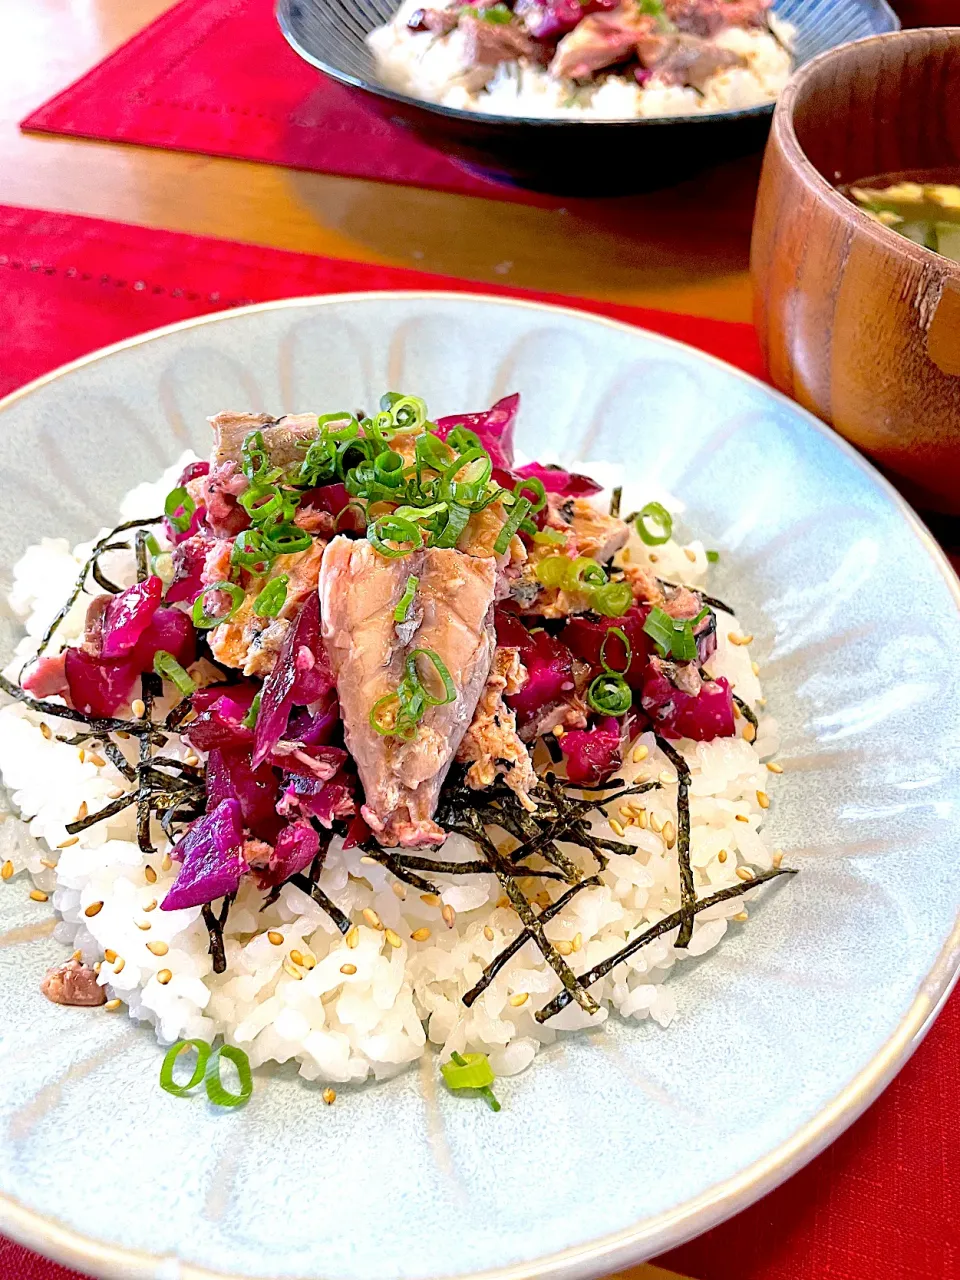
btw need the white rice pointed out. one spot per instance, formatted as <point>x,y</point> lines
<point>423,65</point>
<point>343,1027</point>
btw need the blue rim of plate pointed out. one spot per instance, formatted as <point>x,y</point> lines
<point>550,122</point>
<point>665,1231</point>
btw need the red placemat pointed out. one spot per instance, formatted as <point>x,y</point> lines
<point>216,76</point>
<point>884,1201</point>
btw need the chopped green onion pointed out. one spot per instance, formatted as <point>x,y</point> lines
<point>610,695</point>
<point>713,556</point>
<point>286,539</point>
<point>167,1081</point>
<point>461,439</point>
<point>552,570</point>
<point>388,468</point>
<point>430,451</point>
<point>262,505</point>
<point>613,599</point>
<point>420,513</point>
<point>472,1071</point>
<point>549,537</point>
<point>203,620</point>
<point>449,688</point>
<point>534,486</point>
<point>654,524</point>
<point>168,668</point>
<point>383,714</point>
<point>518,513</point>
<point>389,529</point>
<point>673,636</point>
<point>272,598</point>
<point>584,574</point>
<point>348,432</point>
<point>478,466</point>
<point>319,463</point>
<point>628,650</point>
<point>249,551</point>
<point>254,459</point>
<point>406,600</point>
<point>218,1095</point>
<point>409,413</point>
<point>457,519</point>
<point>152,545</point>
<point>498,14</point>
<point>249,721</point>
<point>179,500</point>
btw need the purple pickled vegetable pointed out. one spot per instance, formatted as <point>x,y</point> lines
<point>549,665</point>
<point>210,853</point>
<point>296,847</point>
<point>127,615</point>
<point>188,561</point>
<point>325,801</point>
<point>551,20</point>
<point>676,714</point>
<point>170,630</point>
<point>98,687</point>
<point>300,675</point>
<point>308,761</point>
<point>555,480</point>
<point>220,724</point>
<point>47,677</point>
<point>256,790</point>
<point>584,634</point>
<point>593,754</point>
<point>318,727</point>
<point>192,471</point>
<point>494,428</point>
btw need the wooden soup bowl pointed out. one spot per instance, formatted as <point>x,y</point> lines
<point>857,323</point>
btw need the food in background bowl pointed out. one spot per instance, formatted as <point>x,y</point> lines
<point>603,59</point>
<point>926,211</point>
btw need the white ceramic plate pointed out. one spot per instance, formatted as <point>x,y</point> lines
<point>616,1145</point>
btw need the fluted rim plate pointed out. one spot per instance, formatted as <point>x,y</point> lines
<point>614,1146</point>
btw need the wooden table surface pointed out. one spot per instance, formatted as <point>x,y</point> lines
<point>685,249</point>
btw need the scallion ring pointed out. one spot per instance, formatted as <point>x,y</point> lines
<point>250,553</point>
<point>262,505</point>
<point>388,468</point>
<point>461,439</point>
<point>628,650</point>
<point>167,1081</point>
<point>390,530</point>
<point>449,688</point>
<point>249,721</point>
<point>550,538</point>
<point>218,1095</point>
<point>286,539</point>
<point>254,459</point>
<point>584,574</point>
<point>654,524</point>
<point>406,600</point>
<point>457,519</point>
<point>613,599</point>
<point>534,486</point>
<point>610,695</point>
<point>349,431</point>
<point>409,413</point>
<point>383,714</point>
<point>178,500</point>
<point>471,1071</point>
<point>272,598</point>
<point>430,451</point>
<point>552,570</point>
<point>202,620</point>
<point>519,513</point>
<point>168,668</point>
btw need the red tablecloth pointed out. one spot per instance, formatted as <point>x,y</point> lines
<point>216,76</point>
<point>884,1201</point>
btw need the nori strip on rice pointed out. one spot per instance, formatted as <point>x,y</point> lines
<point>657,931</point>
<point>688,888</point>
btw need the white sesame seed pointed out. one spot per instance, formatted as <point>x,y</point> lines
<point>763,800</point>
<point>667,778</point>
<point>777,858</point>
<point>112,1004</point>
<point>158,948</point>
<point>393,938</point>
<point>94,909</point>
<point>690,554</point>
<point>774,767</point>
<point>744,873</point>
<point>292,971</point>
<point>96,759</point>
<point>639,754</point>
<point>669,834</point>
<point>488,933</point>
<point>329,1096</point>
<point>741,817</point>
<point>617,827</point>
<point>65,844</point>
<point>741,915</point>
<point>164,976</point>
<point>353,937</point>
<point>48,863</point>
<point>38,895</point>
<point>449,915</point>
<point>722,855</point>
<point>6,871</point>
<point>275,938</point>
<point>520,998</point>
<point>577,941</point>
<point>399,889</point>
<point>656,823</point>
<point>115,793</point>
<point>348,969</point>
<point>149,874</point>
<point>138,707</point>
<point>420,935</point>
<point>46,730</point>
<point>371,917</point>
<point>563,946</point>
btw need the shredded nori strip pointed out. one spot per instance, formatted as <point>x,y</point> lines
<point>178,714</point>
<point>658,930</point>
<point>215,926</point>
<point>748,713</point>
<point>615,499</point>
<point>499,960</point>
<point>108,811</point>
<point>97,573</point>
<point>532,922</point>
<point>400,870</point>
<point>119,760</point>
<point>688,888</point>
<point>320,898</point>
<point>150,687</point>
<point>98,725</point>
<point>98,550</point>
<point>143,556</point>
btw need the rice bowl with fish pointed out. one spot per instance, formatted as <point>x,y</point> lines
<point>378,741</point>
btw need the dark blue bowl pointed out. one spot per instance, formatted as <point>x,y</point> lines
<point>568,157</point>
